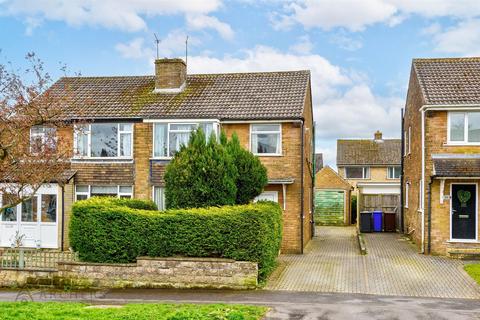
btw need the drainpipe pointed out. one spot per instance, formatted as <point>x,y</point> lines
<point>302,217</point>
<point>423,181</point>
<point>402,179</point>
<point>429,215</point>
<point>63,216</point>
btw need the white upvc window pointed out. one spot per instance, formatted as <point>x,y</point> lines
<point>42,138</point>
<point>169,137</point>
<point>357,172</point>
<point>159,197</point>
<point>463,128</point>
<point>104,140</point>
<point>266,139</point>
<point>83,192</point>
<point>267,196</point>
<point>407,190</point>
<point>394,172</point>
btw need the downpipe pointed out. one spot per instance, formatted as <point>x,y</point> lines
<point>429,215</point>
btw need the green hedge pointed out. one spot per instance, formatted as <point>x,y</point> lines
<point>114,231</point>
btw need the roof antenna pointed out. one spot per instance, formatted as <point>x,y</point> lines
<point>186,52</point>
<point>157,41</point>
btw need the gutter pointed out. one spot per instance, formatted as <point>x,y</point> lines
<point>302,217</point>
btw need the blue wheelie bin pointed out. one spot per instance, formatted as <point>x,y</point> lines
<point>377,221</point>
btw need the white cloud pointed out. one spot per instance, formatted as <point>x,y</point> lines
<point>202,21</point>
<point>463,39</point>
<point>342,40</point>
<point>355,15</point>
<point>134,49</point>
<point>303,46</point>
<point>125,15</point>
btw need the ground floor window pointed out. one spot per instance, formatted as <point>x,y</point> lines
<point>267,196</point>
<point>83,192</point>
<point>159,197</point>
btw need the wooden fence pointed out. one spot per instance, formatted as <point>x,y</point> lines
<point>20,258</point>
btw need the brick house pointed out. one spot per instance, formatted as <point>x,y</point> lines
<point>373,168</point>
<point>441,158</point>
<point>137,123</point>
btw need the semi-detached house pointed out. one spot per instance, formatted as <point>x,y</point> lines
<point>135,124</point>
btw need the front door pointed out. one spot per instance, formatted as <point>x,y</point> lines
<point>464,211</point>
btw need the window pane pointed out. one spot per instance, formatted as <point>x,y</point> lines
<point>160,140</point>
<point>125,189</point>
<point>100,191</point>
<point>82,197</point>
<point>82,141</point>
<point>183,127</point>
<point>474,127</point>
<point>177,140</point>
<point>125,144</point>
<point>457,126</point>
<point>266,127</point>
<point>9,214</point>
<point>104,140</point>
<point>37,130</point>
<point>354,172</point>
<point>29,210</point>
<point>265,143</point>
<point>49,208</point>
<point>159,197</point>
<point>207,128</point>
<point>126,127</point>
<point>82,189</point>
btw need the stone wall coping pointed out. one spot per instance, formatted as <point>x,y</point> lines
<point>81,263</point>
<point>189,259</point>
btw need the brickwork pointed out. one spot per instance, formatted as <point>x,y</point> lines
<point>170,73</point>
<point>143,151</point>
<point>377,174</point>
<point>68,200</point>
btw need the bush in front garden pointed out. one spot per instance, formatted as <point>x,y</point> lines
<point>201,174</point>
<point>252,174</point>
<point>111,231</point>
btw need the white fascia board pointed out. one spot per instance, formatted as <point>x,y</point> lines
<point>447,107</point>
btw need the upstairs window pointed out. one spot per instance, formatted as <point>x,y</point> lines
<point>169,137</point>
<point>104,140</point>
<point>394,172</point>
<point>266,139</point>
<point>357,172</point>
<point>42,139</point>
<point>464,127</point>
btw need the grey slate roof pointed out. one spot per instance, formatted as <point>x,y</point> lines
<point>468,167</point>
<point>449,80</point>
<point>368,152</point>
<point>235,96</point>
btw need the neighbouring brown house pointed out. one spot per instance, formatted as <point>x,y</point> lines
<point>137,123</point>
<point>442,155</point>
<point>373,168</point>
<point>332,198</point>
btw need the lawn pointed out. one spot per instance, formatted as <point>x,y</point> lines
<point>79,311</point>
<point>474,271</point>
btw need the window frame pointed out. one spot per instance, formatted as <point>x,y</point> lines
<point>163,196</point>
<point>394,168</point>
<point>279,142</point>
<point>88,132</point>
<point>466,116</point>
<point>365,172</point>
<point>89,192</point>
<point>168,123</point>
<point>43,136</point>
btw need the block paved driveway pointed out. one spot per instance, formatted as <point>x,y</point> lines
<point>332,263</point>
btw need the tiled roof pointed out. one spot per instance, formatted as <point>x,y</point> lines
<point>368,152</point>
<point>449,80</point>
<point>239,96</point>
<point>468,167</point>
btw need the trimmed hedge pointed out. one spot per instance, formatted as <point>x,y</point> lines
<point>114,231</point>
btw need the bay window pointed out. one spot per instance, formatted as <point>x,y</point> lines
<point>104,140</point>
<point>357,172</point>
<point>266,139</point>
<point>394,172</point>
<point>463,128</point>
<point>169,137</point>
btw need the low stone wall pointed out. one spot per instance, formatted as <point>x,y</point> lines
<point>146,273</point>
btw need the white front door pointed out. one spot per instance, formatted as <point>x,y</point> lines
<point>35,221</point>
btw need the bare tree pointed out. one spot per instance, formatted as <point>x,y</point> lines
<point>32,152</point>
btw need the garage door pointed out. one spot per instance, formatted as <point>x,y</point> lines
<point>329,207</point>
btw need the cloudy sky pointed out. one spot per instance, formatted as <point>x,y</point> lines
<point>358,51</point>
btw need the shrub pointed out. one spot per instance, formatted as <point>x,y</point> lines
<point>252,174</point>
<point>110,231</point>
<point>200,175</point>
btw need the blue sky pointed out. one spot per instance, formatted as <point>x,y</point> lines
<point>359,51</point>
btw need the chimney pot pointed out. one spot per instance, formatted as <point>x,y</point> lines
<point>170,75</point>
<point>378,135</point>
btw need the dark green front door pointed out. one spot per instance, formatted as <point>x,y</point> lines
<point>329,207</point>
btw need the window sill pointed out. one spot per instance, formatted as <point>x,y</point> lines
<point>463,241</point>
<point>102,160</point>
<point>461,144</point>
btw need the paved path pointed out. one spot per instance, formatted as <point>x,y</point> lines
<point>332,263</point>
<point>284,304</point>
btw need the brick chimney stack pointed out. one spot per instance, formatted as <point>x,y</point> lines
<point>378,135</point>
<point>170,75</point>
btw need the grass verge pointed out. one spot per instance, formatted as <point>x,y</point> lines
<point>473,271</point>
<point>80,311</point>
